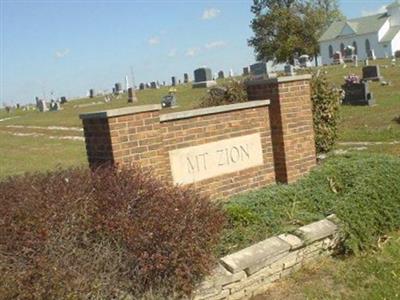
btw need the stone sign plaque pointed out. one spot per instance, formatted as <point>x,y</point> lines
<point>192,164</point>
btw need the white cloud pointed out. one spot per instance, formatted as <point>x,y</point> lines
<point>62,53</point>
<point>172,53</point>
<point>216,44</point>
<point>155,40</point>
<point>210,13</point>
<point>380,10</point>
<point>192,52</point>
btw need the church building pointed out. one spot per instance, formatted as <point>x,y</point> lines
<point>378,34</point>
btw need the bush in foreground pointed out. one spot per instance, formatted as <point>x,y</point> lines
<point>326,103</point>
<point>76,234</point>
<point>362,190</point>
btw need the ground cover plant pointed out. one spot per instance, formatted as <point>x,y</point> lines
<point>74,234</point>
<point>362,190</point>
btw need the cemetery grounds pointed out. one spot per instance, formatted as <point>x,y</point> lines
<point>33,141</point>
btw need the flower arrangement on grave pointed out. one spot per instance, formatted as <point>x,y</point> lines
<point>351,79</point>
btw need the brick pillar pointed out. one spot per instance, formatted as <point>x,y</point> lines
<point>125,135</point>
<point>291,123</point>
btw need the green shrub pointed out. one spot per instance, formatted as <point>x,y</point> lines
<point>326,102</point>
<point>230,92</point>
<point>363,191</point>
<point>77,235</point>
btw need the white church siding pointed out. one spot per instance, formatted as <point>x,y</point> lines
<point>361,50</point>
<point>395,45</point>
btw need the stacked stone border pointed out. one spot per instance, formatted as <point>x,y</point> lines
<point>253,270</point>
<point>279,114</point>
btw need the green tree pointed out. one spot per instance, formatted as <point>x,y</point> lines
<point>285,27</point>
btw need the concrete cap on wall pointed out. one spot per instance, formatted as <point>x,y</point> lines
<point>120,111</point>
<point>282,79</point>
<point>212,110</point>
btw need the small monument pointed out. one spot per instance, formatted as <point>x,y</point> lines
<point>41,105</point>
<point>170,99</point>
<point>221,75</point>
<point>231,74</point>
<point>142,86</point>
<point>154,85</point>
<point>304,61</point>
<point>371,73</point>
<point>63,99</point>
<point>131,95</point>
<point>260,70</point>
<point>173,81</point>
<point>203,78</point>
<point>289,70</point>
<point>185,78</point>
<point>337,58</point>
<point>91,93</point>
<point>356,92</point>
<point>371,54</point>
<point>118,88</point>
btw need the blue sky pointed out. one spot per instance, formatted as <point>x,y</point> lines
<point>67,47</point>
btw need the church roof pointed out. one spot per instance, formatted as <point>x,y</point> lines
<point>364,25</point>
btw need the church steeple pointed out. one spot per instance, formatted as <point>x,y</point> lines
<point>393,11</point>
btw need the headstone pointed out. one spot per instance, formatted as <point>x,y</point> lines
<point>259,69</point>
<point>164,83</point>
<point>371,54</point>
<point>54,106</point>
<point>154,85</point>
<point>168,101</point>
<point>231,74</point>
<point>289,70</point>
<point>91,93</point>
<point>337,58</point>
<point>349,52</point>
<point>63,100</point>
<point>366,62</point>
<point>142,86</point>
<point>118,88</point>
<point>131,95</point>
<point>221,75</point>
<point>173,81</point>
<point>203,78</point>
<point>148,85</point>
<point>357,94</point>
<point>304,61</point>
<point>179,81</point>
<point>186,78</point>
<point>41,106</point>
<point>371,73</point>
<point>246,71</point>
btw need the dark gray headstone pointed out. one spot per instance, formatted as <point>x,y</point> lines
<point>131,95</point>
<point>154,85</point>
<point>186,78</point>
<point>91,93</point>
<point>221,75</point>
<point>118,87</point>
<point>258,69</point>
<point>371,73</point>
<point>142,86</point>
<point>202,74</point>
<point>173,81</point>
<point>63,100</point>
<point>357,94</point>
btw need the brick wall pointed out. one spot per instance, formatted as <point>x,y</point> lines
<point>291,123</point>
<point>140,134</point>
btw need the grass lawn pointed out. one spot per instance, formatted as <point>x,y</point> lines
<point>374,275</point>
